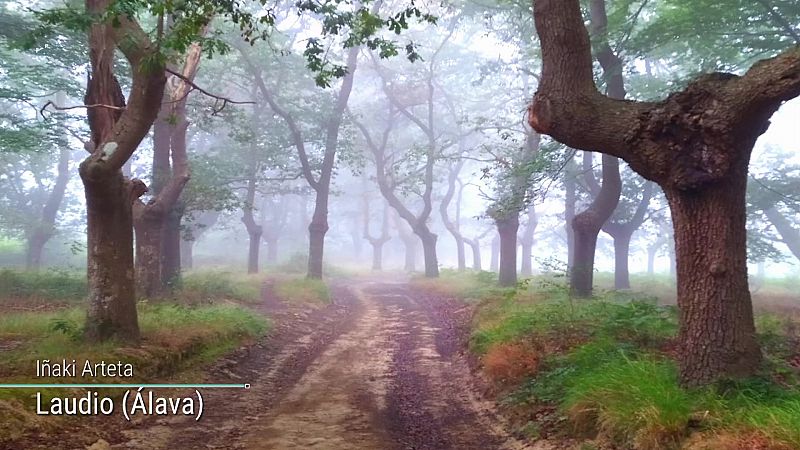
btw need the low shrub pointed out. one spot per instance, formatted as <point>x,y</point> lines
<point>510,363</point>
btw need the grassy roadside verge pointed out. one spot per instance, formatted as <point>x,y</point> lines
<point>603,372</point>
<point>208,317</point>
<point>296,289</point>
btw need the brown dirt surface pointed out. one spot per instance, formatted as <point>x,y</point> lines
<point>383,367</point>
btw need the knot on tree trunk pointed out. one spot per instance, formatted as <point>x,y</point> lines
<point>717,268</point>
<point>137,188</point>
<point>539,114</point>
<point>318,227</point>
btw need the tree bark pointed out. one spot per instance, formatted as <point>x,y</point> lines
<point>696,145</point>
<point>717,331</point>
<point>116,132</point>
<point>148,229</point>
<point>45,229</point>
<point>507,228</point>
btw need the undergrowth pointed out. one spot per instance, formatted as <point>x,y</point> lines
<point>605,369</point>
<point>302,290</point>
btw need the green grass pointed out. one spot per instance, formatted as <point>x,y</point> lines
<point>45,284</point>
<point>302,290</point>
<point>205,285</point>
<point>631,401</point>
<point>635,321</point>
<point>177,340</point>
<point>166,328</point>
<point>469,285</point>
<point>606,365</point>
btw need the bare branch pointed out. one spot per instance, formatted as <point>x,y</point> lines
<point>220,101</point>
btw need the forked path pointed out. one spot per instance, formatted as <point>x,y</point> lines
<point>384,372</point>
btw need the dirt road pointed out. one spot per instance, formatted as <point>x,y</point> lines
<point>380,369</point>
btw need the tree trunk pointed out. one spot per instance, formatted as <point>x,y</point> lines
<point>377,255</point>
<point>651,259</point>
<point>475,245</point>
<point>696,145</point>
<point>717,331</point>
<point>254,230</point>
<point>254,247</point>
<point>494,263</point>
<point>187,253</point>
<point>622,245</point>
<point>44,230</point>
<point>36,243</point>
<point>171,248</point>
<point>112,299</point>
<point>428,250</point>
<point>115,135</point>
<point>507,228</point>
<point>148,225</point>
<point>587,225</point>
<point>316,234</point>
<point>526,265</point>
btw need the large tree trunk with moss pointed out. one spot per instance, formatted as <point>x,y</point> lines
<point>112,300</point>
<point>696,145</point>
<point>45,229</point>
<point>717,332</point>
<point>116,131</point>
